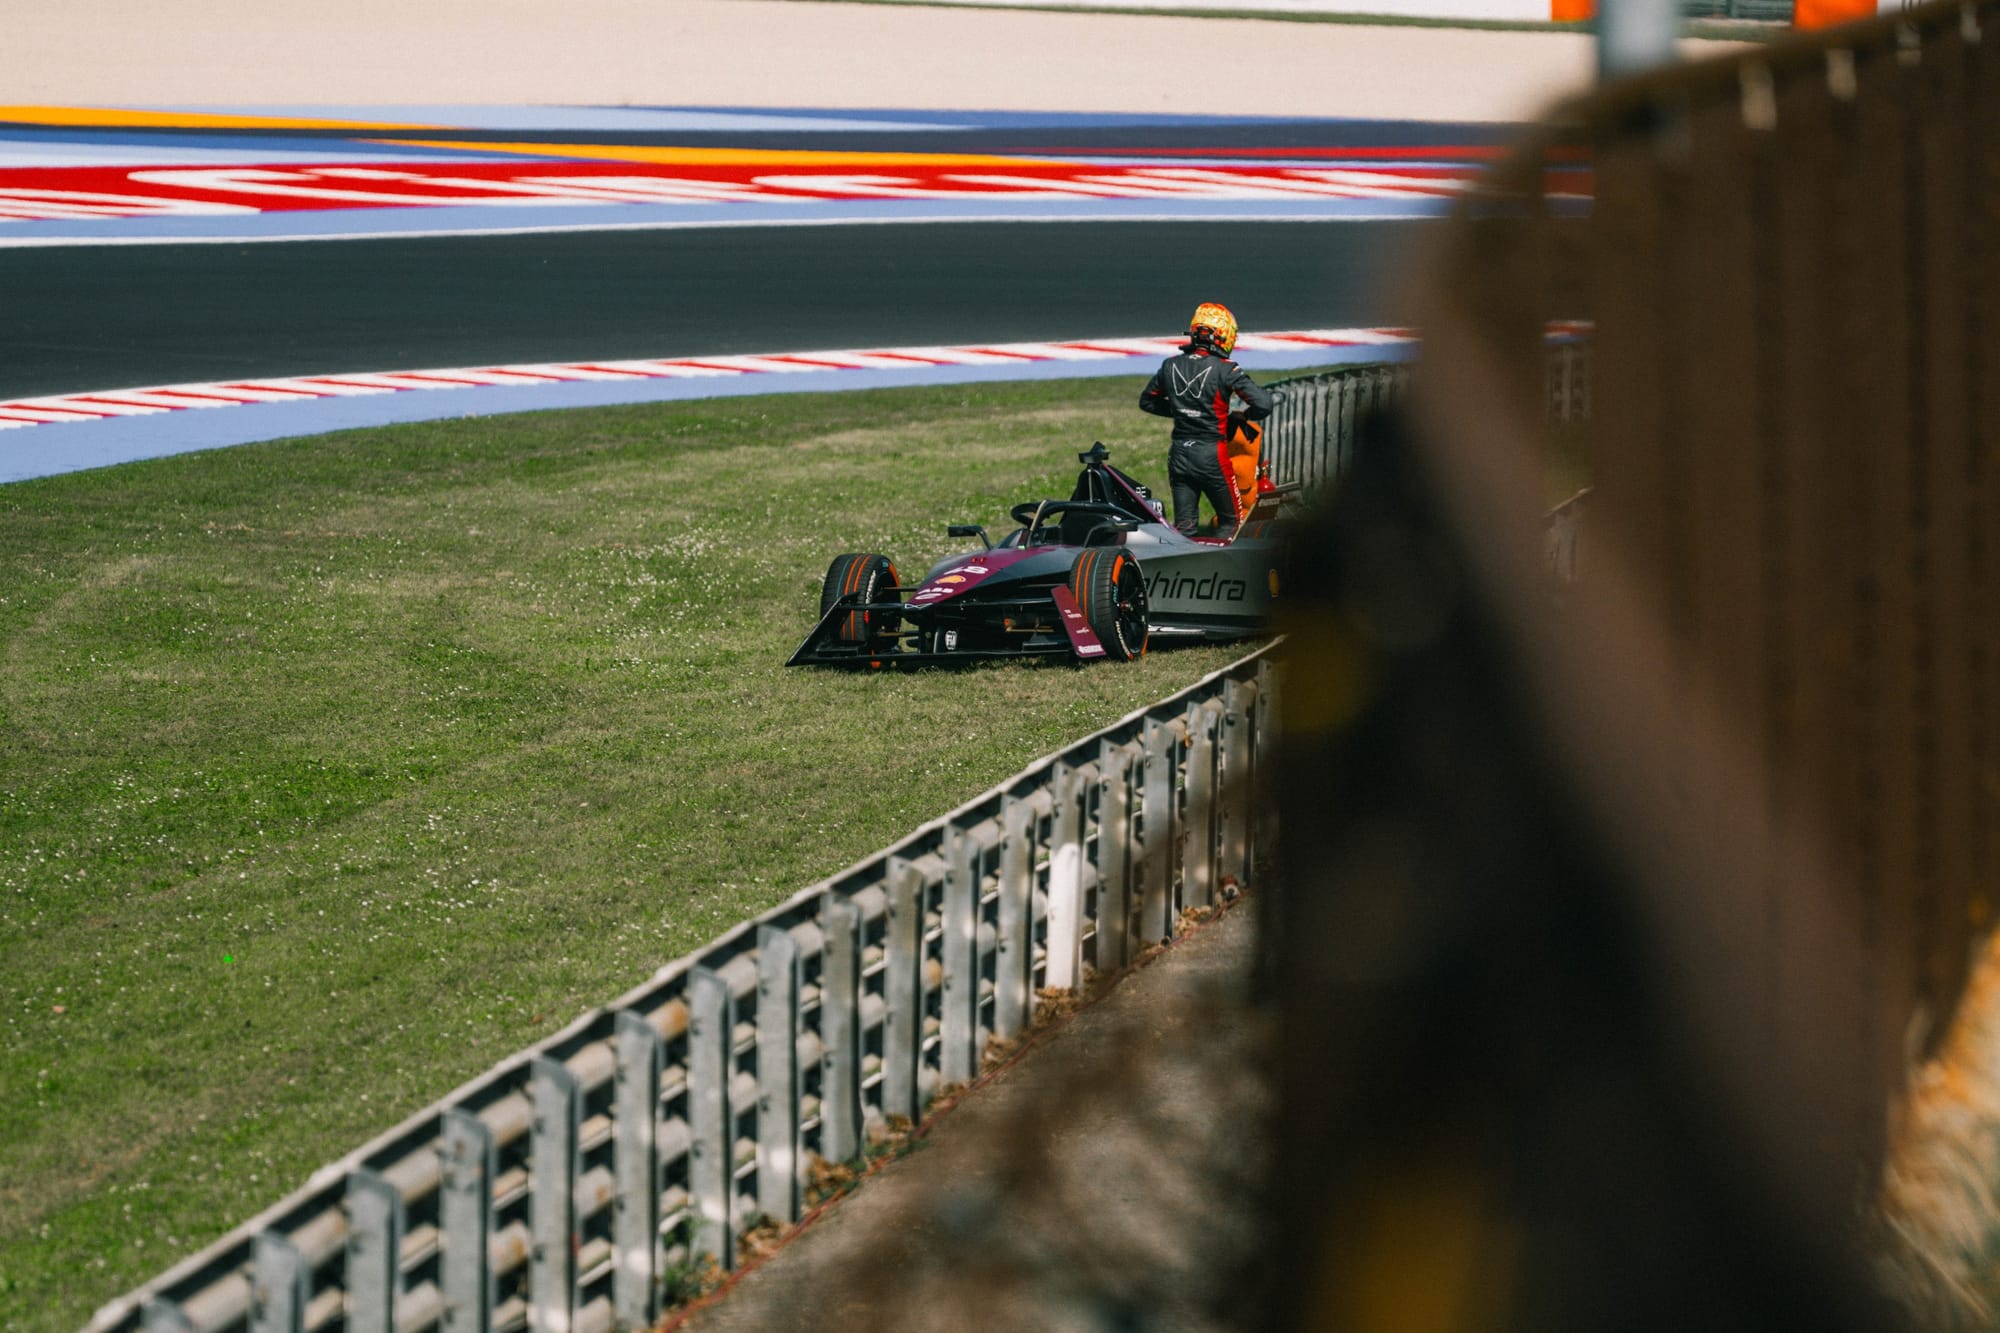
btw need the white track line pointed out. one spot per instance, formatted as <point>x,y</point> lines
<point>107,403</point>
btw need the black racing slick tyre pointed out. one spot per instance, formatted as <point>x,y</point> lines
<point>862,578</point>
<point>1111,593</point>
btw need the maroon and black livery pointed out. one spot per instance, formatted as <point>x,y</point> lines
<point>1097,575</point>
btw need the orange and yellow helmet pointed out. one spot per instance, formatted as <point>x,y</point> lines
<point>1214,325</point>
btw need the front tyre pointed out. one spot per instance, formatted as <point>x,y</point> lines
<point>863,579</point>
<point>1111,593</point>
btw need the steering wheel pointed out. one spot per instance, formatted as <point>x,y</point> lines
<point>1027,511</point>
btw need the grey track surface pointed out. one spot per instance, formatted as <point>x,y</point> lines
<point>74,320</point>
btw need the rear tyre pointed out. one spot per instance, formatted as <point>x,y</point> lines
<point>862,578</point>
<point>1111,593</point>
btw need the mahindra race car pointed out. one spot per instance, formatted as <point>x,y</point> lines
<point>1091,577</point>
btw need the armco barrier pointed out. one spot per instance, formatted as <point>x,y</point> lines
<point>1562,536</point>
<point>563,1190</point>
<point>1310,434</point>
<point>1311,430</point>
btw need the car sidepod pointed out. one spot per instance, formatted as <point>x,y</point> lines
<point>1205,589</point>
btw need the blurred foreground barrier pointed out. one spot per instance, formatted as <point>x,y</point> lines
<point>1793,265</point>
<point>572,1187</point>
<point>1613,920</point>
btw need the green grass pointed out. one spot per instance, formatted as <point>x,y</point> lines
<point>332,771</point>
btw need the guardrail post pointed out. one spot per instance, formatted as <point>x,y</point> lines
<point>840,1031</point>
<point>279,1285</point>
<point>958,1050</point>
<point>1346,416</point>
<point>465,1216</point>
<point>711,1179</point>
<point>778,1165</point>
<point>554,1093</point>
<point>374,1252</point>
<point>1238,781</point>
<point>1065,925</point>
<point>903,1023</point>
<point>1114,857</point>
<point>1263,746</point>
<point>1198,876</point>
<point>635,1219</point>
<point>165,1316</point>
<point>1014,950</point>
<point>1156,822</point>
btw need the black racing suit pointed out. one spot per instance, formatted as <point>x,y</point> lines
<point>1194,388</point>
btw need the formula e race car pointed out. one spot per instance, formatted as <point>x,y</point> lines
<point>1091,577</point>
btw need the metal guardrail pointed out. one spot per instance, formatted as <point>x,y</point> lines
<point>1562,536</point>
<point>1310,434</point>
<point>1745,11</point>
<point>1571,364</point>
<point>564,1190</point>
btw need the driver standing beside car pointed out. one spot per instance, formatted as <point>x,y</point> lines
<point>1194,387</point>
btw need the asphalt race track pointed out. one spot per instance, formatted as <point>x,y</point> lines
<point>93,317</point>
<point>192,249</point>
<point>158,246</point>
